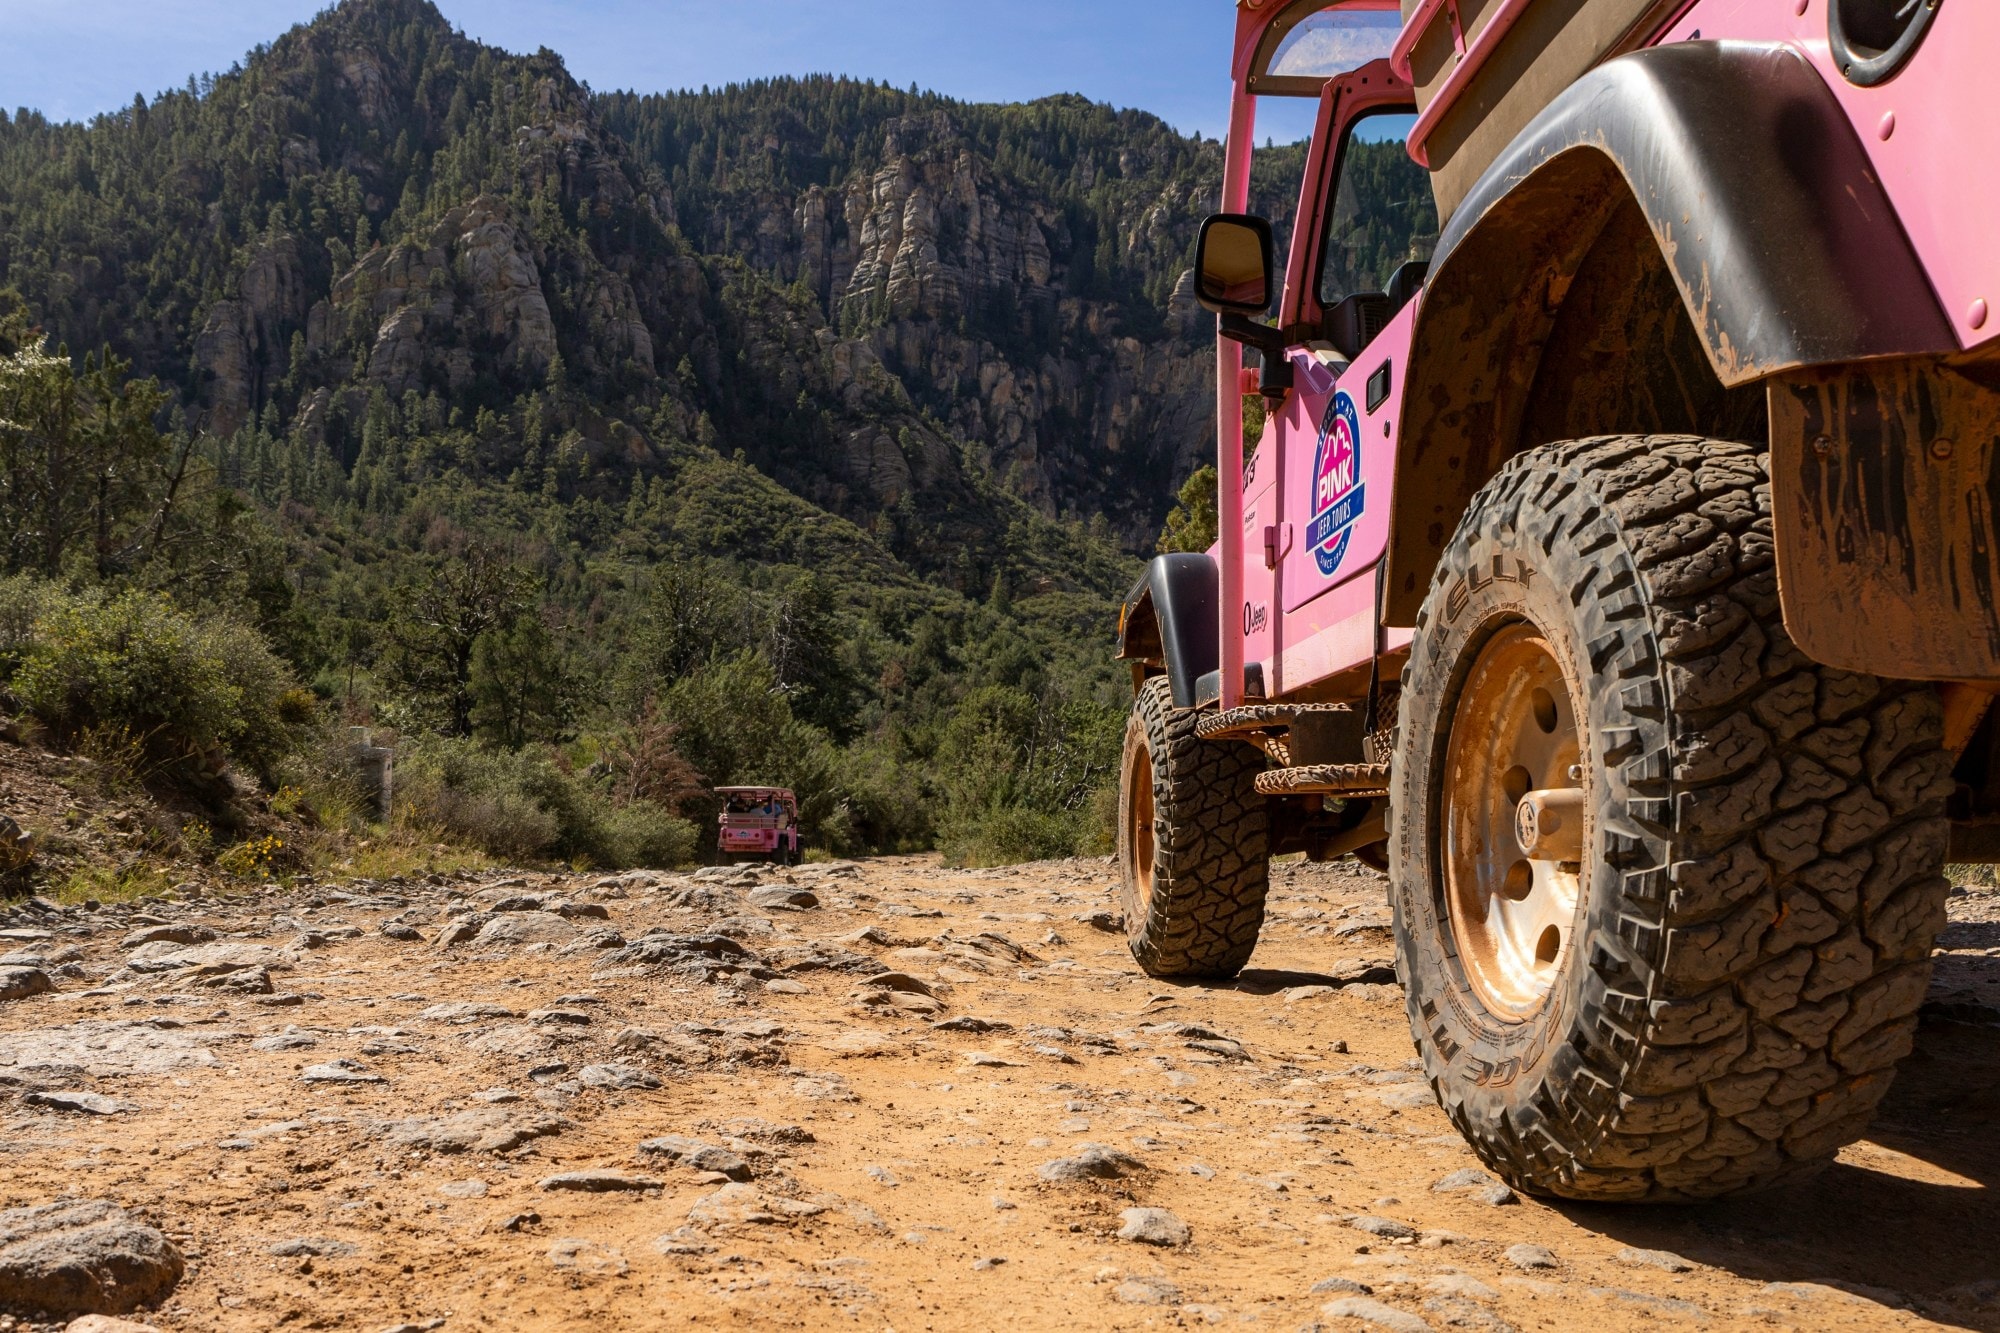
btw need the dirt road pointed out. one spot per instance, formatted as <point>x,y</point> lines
<point>886,1096</point>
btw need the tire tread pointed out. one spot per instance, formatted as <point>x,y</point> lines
<point>1780,826</point>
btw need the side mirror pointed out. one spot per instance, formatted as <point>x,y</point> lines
<point>1232,264</point>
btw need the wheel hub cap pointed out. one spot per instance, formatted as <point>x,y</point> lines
<point>1514,822</point>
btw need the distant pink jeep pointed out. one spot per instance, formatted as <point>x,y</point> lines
<point>1618,566</point>
<point>758,822</point>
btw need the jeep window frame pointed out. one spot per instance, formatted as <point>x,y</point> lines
<point>1346,100</point>
<point>1324,224</point>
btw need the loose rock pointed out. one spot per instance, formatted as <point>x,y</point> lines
<point>463,1011</point>
<point>207,959</point>
<point>616,1077</point>
<point>600,1182</point>
<point>587,1256</point>
<point>89,1103</point>
<point>1146,1291</point>
<point>694,1153</point>
<point>737,1203</point>
<point>174,934</point>
<point>1645,1301</point>
<point>1092,1161</point>
<point>318,1247</point>
<point>289,1040</point>
<point>83,1257</point>
<point>778,897</point>
<point>339,1071</point>
<point>482,1129</point>
<point>18,983</point>
<point>1528,1257</point>
<point>1471,1180</point>
<point>525,928</point>
<point>1153,1226</point>
<point>1341,1286</point>
<point>1374,1313</point>
<point>1458,1286</point>
<point>1665,1260</point>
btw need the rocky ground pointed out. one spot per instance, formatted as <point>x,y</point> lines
<point>887,1096</point>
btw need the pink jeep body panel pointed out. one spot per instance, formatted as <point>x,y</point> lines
<point>1301,613</point>
<point>1937,154</point>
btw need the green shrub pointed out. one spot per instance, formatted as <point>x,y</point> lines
<point>23,600</point>
<point>1005,834</point>
<point>523,805</point>
<point>134,664</point>
<point>473,795</point>
<point>644,834</point>
<point>734,724</point>
<point>1025,778</point>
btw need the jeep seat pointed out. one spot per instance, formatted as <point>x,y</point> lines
<point>1406,282</point>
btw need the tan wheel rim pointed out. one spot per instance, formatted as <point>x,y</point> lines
<point>1514,732</point>
<point>1139,824</point>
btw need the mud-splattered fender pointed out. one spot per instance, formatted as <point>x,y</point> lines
<point>1780,239</point>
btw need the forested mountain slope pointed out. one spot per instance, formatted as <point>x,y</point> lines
<point>853,283</point>
<point>511,411</point>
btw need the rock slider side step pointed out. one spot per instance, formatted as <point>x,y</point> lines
<point>1325,780</point>
<point>1251,719</point>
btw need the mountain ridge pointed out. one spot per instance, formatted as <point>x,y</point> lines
<point>1014,274</point>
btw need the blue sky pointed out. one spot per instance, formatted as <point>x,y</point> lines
<point>73,58</point>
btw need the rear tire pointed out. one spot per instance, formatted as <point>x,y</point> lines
<point>1193,842</point>
<point>1750,926</point>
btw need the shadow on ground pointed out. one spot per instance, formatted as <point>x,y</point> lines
<point>1910,1216</point>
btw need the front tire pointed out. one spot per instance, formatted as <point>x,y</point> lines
<point>1713,995</point>
<point>1193,842</point>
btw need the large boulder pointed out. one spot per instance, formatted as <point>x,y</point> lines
<point>83,1256</point>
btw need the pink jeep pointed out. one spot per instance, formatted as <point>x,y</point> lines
<point>760,822</point>
<point>1617,568</point>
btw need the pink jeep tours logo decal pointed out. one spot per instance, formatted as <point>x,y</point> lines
<point>1338,495</point>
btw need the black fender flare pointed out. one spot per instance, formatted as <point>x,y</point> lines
<point>1169,621</point>
<point>1767,212</point>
